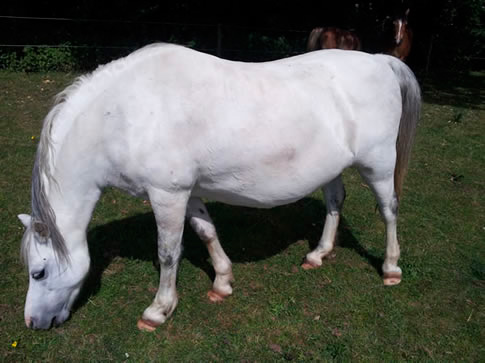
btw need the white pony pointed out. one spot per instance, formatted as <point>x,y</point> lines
<point>176,125</point>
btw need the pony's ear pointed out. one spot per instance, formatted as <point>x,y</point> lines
<point>25,219</point>
<point>406,14</point>
<point>41,229</point>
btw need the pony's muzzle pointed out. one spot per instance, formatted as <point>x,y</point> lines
<point>44,324</point>
<point>40,324</point>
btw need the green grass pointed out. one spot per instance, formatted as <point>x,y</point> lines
<point>341,311</point>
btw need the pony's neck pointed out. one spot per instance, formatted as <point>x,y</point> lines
<point>73,205</point>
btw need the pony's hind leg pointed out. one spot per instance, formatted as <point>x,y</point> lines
<point>382,184</point>
<point>169,210</point>
<point>202,224</point>
<point>334,199</point>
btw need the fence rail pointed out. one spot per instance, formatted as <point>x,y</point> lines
<point>99,40</point>
<point>141,22</point>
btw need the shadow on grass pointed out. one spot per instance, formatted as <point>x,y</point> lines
<point>246,234</point>
<point>459,89</point>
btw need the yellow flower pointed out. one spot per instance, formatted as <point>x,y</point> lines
<point>14,344</point>
<point>32,138</point>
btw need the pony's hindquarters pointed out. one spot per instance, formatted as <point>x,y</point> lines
<point>386,175</point>
<point>383,157</point>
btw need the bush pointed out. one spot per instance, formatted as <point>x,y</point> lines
<point>275,44</point>
<point>39,59</point>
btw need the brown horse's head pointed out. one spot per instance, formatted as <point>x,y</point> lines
<point>403,38</point>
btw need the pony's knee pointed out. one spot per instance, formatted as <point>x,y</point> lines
<point>336,199</point>
<point>339,197</point>
<point>168,258</point>
<point>394,205</point>
<point>390,211</point>
<point>335,194</point>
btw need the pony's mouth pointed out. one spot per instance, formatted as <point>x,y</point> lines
<point>38,324</point>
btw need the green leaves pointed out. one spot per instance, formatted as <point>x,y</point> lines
<point>40,59</point>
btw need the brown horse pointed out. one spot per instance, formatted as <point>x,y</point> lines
<point>403,38</point>
<point>331,38</point>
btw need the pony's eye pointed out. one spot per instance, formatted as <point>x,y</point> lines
<point>38,275</point>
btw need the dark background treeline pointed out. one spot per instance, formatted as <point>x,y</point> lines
<point>447,34</point>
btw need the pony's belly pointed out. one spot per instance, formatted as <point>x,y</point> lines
<point>246,199</point>
<point>264,190</point>
<point>270,179</point>
<point>249,198</point>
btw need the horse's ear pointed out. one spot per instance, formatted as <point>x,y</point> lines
<point>406,14</point>
<point>41,229</point>
<point>25,219</point>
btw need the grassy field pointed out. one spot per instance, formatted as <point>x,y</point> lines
<point>341,311</point>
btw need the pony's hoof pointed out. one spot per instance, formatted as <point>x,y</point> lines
<point>215,297</point>
<point>307,265</point>
<point>146,325</point>
<point>391,278</point>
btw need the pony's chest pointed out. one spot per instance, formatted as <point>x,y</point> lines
<point>132,185</point>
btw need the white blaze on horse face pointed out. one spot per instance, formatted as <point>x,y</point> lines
<point>53,285</point>
<point>399,31</point>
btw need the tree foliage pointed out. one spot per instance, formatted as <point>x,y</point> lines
<point>446,32</point>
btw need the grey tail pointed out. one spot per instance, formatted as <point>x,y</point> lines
<point>411,108</point>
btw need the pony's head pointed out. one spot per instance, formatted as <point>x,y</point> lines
<point>54,282</point>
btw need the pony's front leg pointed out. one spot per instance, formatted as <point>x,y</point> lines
<point>334,199</point>
<point>202,224</point>
<point>169,210</point>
